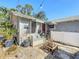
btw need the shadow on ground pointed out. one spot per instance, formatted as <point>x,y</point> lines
<point>60,54</point>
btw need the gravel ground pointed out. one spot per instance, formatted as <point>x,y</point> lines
<point>24,53</point>
<point>36,53</point>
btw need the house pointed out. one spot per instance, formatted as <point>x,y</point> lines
<point>28,26</point>
<point>66,30</point>
<point>69,24</point>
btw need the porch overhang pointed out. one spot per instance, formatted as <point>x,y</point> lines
<point>18,14</point>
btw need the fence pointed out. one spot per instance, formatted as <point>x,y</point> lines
<point>70,38</point>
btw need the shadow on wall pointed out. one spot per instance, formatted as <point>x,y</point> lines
<point>60,54</point>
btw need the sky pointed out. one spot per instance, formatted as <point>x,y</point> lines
<point>54,9</point>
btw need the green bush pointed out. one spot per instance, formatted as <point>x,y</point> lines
<point>7,30</point>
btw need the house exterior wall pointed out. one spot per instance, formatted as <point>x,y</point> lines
<point>14,21</point>
<point>66,32</point>
<point>37,39</point>
<point>23,32</point>
<point>70,38</point>
<point>72,26</point>
<point>39,42</point>
<point>24,29</point>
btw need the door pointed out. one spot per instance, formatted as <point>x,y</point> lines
<point>43,28</point>
<point>23,30</point>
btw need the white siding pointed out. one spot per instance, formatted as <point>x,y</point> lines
<point>66,37</point>
<point>23,31</point>
<point>67,26</point>
<point>66,32</point>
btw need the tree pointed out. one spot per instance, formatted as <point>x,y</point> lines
<point>19,8</point>
<point>8,30</point>
<point>41,15</point>
<point>13,9</point>
<point>29,9</point>
<point>26,9</point>
<point>4,10</point>
<point>23,10</point>
<point>4,13</point>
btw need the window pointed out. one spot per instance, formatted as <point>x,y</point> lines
<point>51,26</point>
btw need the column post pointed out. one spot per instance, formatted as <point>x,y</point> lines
<point>45,28</point>
<point>30,26</point>
<point>41,27</point>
